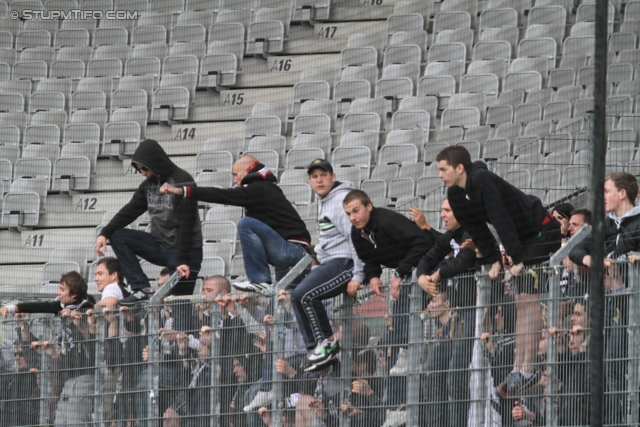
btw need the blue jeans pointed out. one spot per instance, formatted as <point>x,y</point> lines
<point>323,282</point>
<point>262,246</point>
<point>129,244</point>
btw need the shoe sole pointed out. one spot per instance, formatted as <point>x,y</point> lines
<point>327,356</point>
<point>318,366</point>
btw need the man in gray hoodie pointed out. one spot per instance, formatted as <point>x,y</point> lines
<point>340,268</point>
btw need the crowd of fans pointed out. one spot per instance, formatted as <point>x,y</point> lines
<point>217,355</point>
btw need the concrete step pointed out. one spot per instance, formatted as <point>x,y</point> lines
<point>50,238</point>
<point>21,275</point>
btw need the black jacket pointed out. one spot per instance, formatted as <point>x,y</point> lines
<point>515,215</point>
<point>461,290</point>
<point>262,199</point>
<point>78,351</point>
<point>622,235</point>
<point>174,221</point>
<point>399,243</point>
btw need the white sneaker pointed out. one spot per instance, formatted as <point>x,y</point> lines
<point>261,288</point>
<point>400,368</point>
<point>324,350</point>
<point>395,419</point>
<point>263,398</point>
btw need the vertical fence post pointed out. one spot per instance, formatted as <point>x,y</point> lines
<point>45,377</point>
<point>632,343</point>
<point>347,354</point>
<point>480,370</point>
<point>101,367</point>
<point>215,364</point>
<point>153,326</point>
<point>415,353</point>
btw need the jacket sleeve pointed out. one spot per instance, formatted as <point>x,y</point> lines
<point>236,196</point>
<point>40,307</point>
<point>128,213</point>
<point>371,269</point>
<point>344,226</point>
<point>407,231</point>
<point>577,254</point>
<point>482,237</point>
<point>435,255</point>
<point>461,263</point>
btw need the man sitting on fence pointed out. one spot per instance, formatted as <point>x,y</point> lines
<point>73,366</point>
<point>437,272</point>
<point>271,231</point>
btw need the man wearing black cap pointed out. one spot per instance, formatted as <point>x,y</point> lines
<point>271,231</point>
<point>339,269</point>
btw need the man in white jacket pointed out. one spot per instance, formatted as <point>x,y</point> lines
<point>340,268</point>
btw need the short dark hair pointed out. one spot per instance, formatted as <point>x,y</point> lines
<point>112,265</point>
<point>625,181</point>
<point>564,209</point>
<point>367,357</point>
<point>357,195</point>
<point>76,284</point>
<point>586,215</point>
<point>165,271</point>
<point>455,155</point>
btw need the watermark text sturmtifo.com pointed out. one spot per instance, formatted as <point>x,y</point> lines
<point>75,14</point>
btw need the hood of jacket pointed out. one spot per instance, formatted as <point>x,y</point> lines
<point>631,213</point>
<point>475,167</point>
<point>151,155</point>
<point>339,189</point>
<point>258,172</point>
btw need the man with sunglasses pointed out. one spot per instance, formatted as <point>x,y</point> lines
<point>174,239</point>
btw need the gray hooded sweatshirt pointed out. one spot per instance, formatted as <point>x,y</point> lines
<point>334,230</point>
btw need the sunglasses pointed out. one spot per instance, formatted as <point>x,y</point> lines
<point>140,167</point>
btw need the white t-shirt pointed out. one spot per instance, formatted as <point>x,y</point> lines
<point>112,290</point>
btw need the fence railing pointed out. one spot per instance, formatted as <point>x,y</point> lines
<point>517,356</point>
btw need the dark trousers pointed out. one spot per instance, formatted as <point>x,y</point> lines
<point>129,244</point>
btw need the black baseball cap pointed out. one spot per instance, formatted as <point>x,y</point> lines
<point>320,163</point>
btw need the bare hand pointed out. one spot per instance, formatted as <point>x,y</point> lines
<point>516,270</point>
<point>171,189</point>
<point>417,216</point>
<point>4,311</point>
<point>394,287</point>
<point>183,270</point>
<point>494,273</point>
<point>518,413</point>
<point>374,285</point>
<point>361,387</point>
<point>145,354</point>
<point>352,288</point>
<point>283,367</point>
<point>101,246</point>
<point>485,336</point>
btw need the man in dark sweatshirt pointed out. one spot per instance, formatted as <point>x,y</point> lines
<point>271,231</point>
<point>527,230</point>
<point>73,364</point>
<point>437,266</point>
<point>382,237</point>
<point>175,236</point>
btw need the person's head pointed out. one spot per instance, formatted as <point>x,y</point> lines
<point>204,352</point>
<point>580,316</point>
<point>364,363</point>
<point>214,286</point>
<point>241,168</point>
<point>321,177</point>
<point>357,205</point>
<point>238,370</point>
<point>448,220</point>
<point>578,218</point>
<point>20,357</point>
<point>562,213</point>
<point>453,163</point>
<point>360,334</point>
<point>620,192</point>
<point>165,273</point>
<point>577,342</point>
<point>246,367</point>
<point>144,170</point>
<point>107,272</point>
<point>439,305</point>
<point>72,287</point>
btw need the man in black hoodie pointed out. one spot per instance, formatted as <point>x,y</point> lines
<point>175,237</point>
<point>271,231</point>
<point>529,233</point>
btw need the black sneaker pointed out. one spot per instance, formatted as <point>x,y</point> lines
<point>137,297</point>
<point>324,349</point>
<point>324,364</point>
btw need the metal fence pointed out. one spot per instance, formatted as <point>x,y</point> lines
<point>515,356</point>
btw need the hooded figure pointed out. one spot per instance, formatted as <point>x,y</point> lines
<point>175,236</point>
